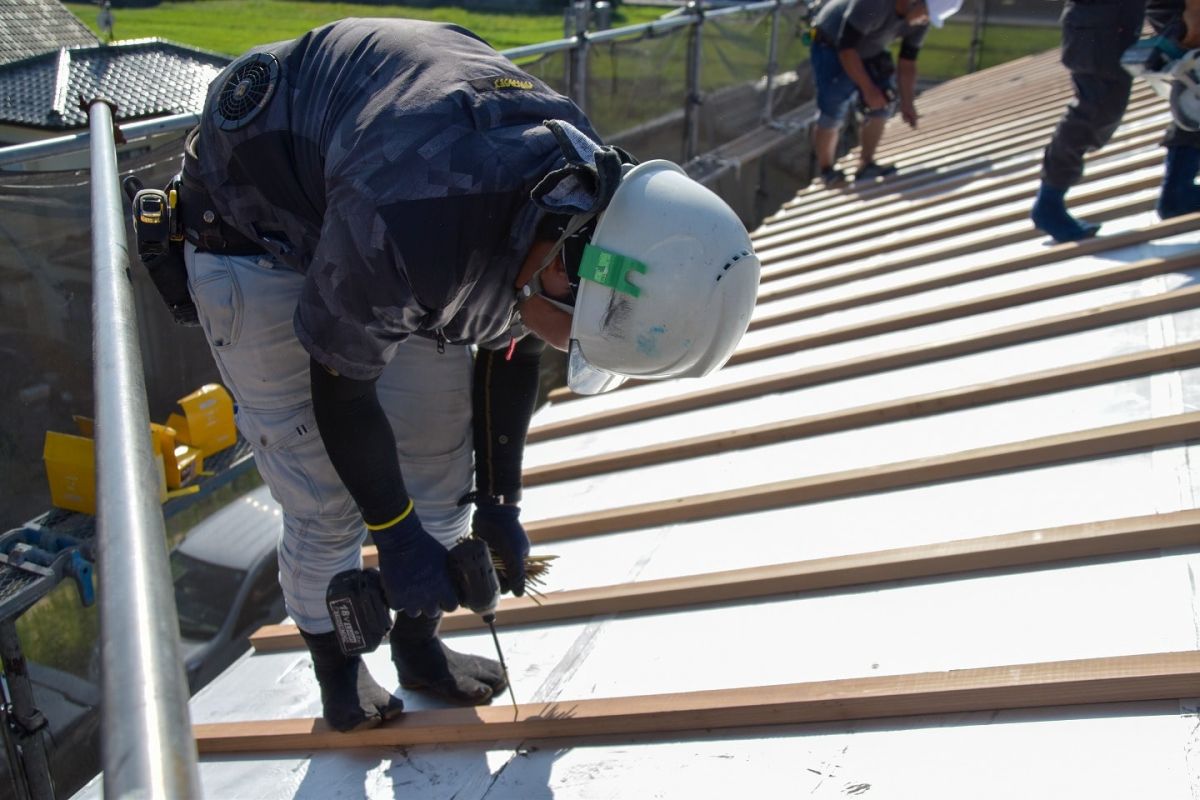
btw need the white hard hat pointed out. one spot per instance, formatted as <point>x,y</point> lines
<point>667,283</point>
<point>941,10</point>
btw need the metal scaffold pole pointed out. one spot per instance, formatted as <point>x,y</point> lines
<point>772,63</point>
<point>691,111</point>
<point>33,771</point>
<point>148,746</point>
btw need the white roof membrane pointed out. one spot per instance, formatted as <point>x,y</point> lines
<point>1120,604</point>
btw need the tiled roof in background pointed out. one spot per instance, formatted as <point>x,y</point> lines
<point>32,27</point>
<point>145,78</point>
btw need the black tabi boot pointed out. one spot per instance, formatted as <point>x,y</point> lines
<point>351,700</point>
<point>426,664</point>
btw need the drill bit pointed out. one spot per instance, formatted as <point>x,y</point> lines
<point>490,619</point>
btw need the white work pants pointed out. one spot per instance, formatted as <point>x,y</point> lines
<point>246,304</point>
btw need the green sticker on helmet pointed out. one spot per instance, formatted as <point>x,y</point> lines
<point>610,269</point>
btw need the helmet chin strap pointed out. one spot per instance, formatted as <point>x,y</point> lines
<point>534,285</point>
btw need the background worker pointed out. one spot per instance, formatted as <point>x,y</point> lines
<point>850,58</point>
<point>1095,34</point>
<point>361,204</point>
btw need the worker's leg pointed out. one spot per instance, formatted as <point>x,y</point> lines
<point>825,146</point>
<point>870,136</point>
<point>882,73</point>
<point>834,91</point>
<point>427,396</point>
<point>245,306</point>
<point>1179,193</point>
<point>1094,37</point>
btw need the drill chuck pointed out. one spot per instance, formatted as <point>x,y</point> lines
<point>475,577</point>
<point>470,563</point>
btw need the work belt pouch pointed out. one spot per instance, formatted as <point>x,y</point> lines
<point>156,227</point>
<point>880,68</point>
<point>201,224</point>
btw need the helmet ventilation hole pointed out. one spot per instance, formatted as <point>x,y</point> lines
<point>731,262</point>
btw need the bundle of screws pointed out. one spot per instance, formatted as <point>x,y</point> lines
<point>536,567</point>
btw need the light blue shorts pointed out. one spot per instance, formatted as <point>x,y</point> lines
<point>246,305</point>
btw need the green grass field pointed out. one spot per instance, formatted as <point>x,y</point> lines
<point>945,53</point>
<point>232,26</point>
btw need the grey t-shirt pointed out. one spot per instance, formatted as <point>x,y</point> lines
<point>876,20</point>
<point>392,165</point>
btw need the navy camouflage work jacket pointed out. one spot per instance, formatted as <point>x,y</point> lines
<point>392,164</point>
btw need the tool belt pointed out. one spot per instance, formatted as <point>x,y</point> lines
<point>202,224</point>
<point>164,218</point>
<point>160,244</point>
<point>880,69</point>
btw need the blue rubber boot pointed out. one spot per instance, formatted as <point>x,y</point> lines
<point>1179,194</point>
<point>1050,215</point>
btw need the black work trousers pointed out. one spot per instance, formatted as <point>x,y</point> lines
<point>1165,16</point>
<point>1094,35</point>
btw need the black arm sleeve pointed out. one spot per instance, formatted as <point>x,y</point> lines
<point>503,401</point>
<point>360,443</point>
<point>849,38</point>
<point>909,52</point>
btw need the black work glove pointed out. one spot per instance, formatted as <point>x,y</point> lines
<point>500,526</point>
<point>412,565</point>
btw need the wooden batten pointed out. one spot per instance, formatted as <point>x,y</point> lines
<point>982,225</point>
<point>1050,255</point>
<point>977,154</point>
<point>1155,676</point>
<point>1041,451</point>
<point>955,466</point>
<point>1025,548</point>
<point>1075,284</point>
<point>1074,322</point>
<point>981,198</point>
<point>928,195</point>
<point>1053,380</point>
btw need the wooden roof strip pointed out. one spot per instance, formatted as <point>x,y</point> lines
<point>1072,322</point>
<point>937,177</point>
<point>970,243</point>
<point>1021,549</point>
<point>981,225</point>
<point>1024,102</point>
<point>982,195</point>
<point>971,126</point>
<point>1019,121</point>
<point>979,154</point>
<point>1047,255</point>
<point>1114,276</point>
<point>1150,676</point>
<point>957,146</point>
<point>1041,451</point>
<point>1038,82</point>
<point>1017,75</point>
<point>1123,367</point>
<point>1153,676</point>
